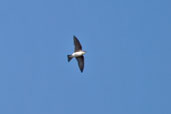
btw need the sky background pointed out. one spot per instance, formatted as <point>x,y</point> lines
<point>127,64</point>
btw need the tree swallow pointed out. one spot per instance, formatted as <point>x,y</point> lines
<point>78,54</point>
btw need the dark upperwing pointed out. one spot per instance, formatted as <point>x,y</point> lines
<point>77,44</point>
<point>80,62</point>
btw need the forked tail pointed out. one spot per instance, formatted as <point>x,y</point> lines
<point>69,58</point>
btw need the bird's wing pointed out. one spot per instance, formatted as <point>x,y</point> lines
<point>77,44</point>
<point>80,62</point>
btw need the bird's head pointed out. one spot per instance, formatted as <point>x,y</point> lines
<point>84,52</point>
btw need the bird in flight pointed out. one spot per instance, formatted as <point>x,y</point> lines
<point>78,54</point>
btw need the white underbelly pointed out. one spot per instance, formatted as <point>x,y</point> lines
<point>77,54</point>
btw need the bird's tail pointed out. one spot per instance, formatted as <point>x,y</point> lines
<point>69,58</point>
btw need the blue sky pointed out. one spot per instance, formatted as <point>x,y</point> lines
<point>127,64</point>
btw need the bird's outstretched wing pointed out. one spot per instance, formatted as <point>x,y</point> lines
<point>77,44</point>
<point>80,62</point>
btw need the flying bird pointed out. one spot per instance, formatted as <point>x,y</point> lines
<point>78,54</point>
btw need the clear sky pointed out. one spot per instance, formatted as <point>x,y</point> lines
<point>127,64</point>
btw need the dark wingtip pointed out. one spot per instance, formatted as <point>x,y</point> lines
<point>81,70</point>
<point>74,36</point>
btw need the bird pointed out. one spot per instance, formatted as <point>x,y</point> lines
<point>78,54</point>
